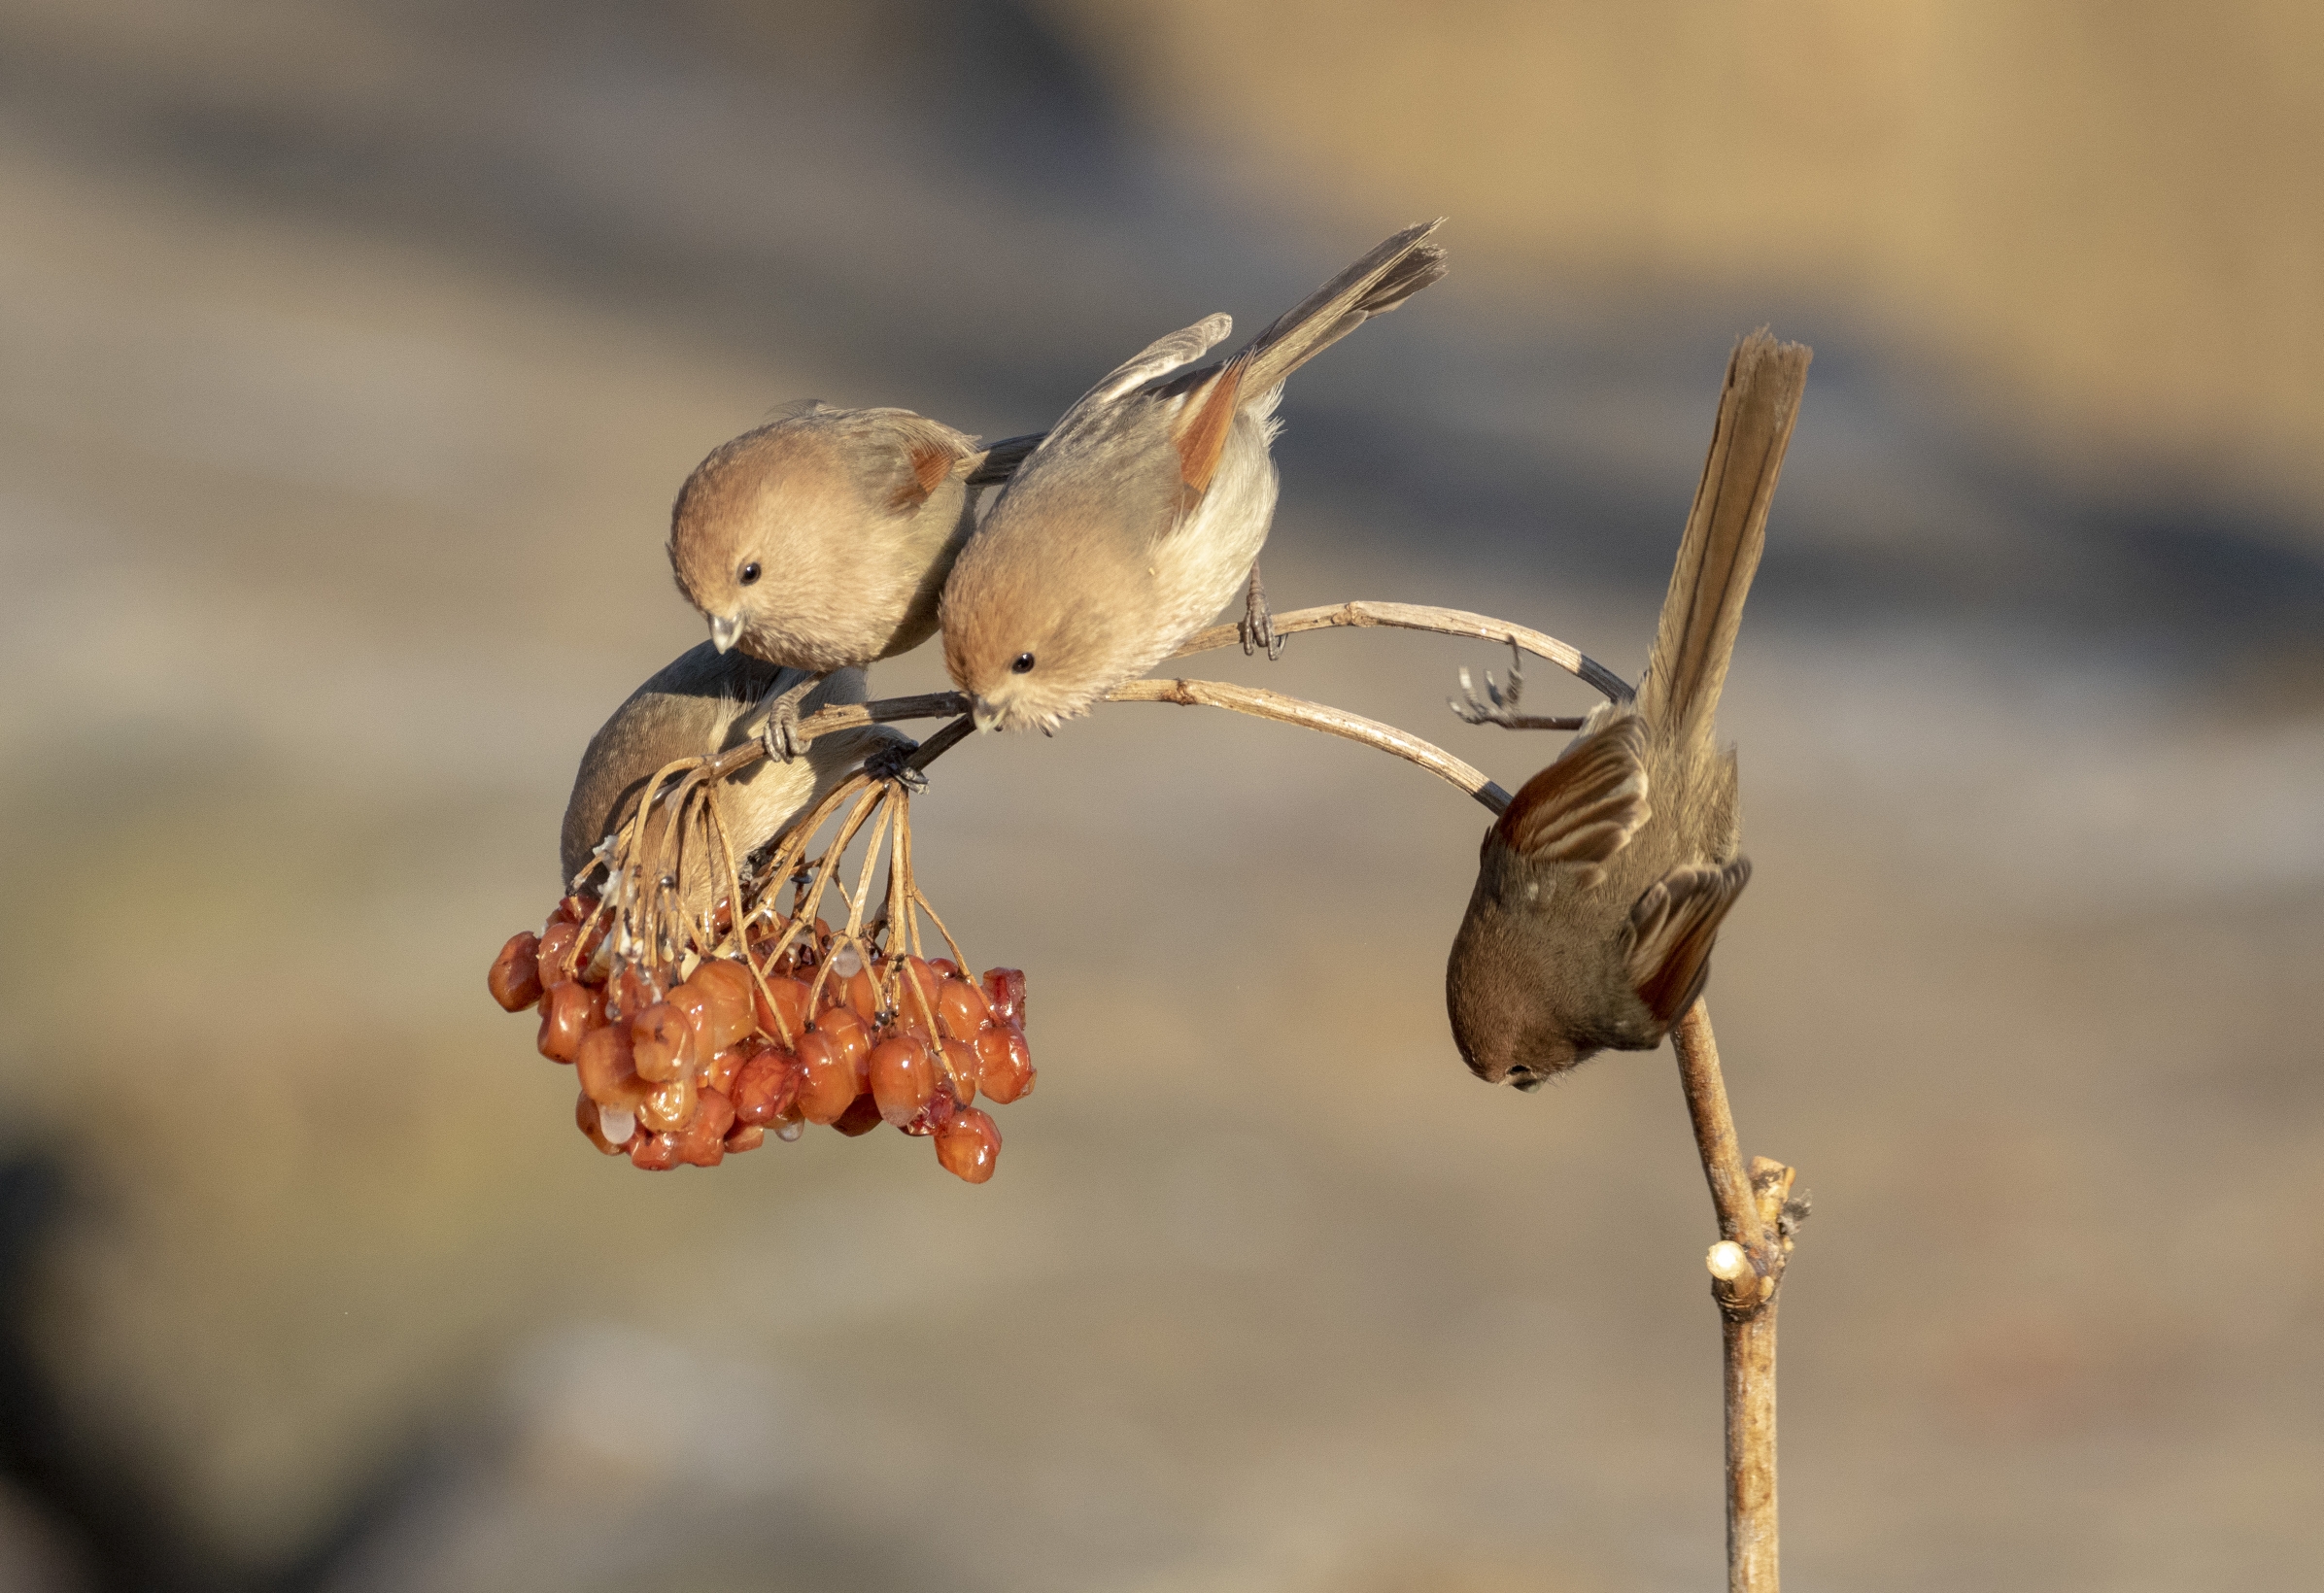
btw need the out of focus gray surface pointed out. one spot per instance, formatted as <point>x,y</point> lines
<point>351,358</point>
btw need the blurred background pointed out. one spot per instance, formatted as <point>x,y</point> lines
<point>350,356</point>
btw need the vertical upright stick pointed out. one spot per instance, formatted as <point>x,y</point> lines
<point>1746,1266</point>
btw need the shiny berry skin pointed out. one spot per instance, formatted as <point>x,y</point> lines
<point>1006,988</point>
<point>962,1009</point>
<point>969,1146</point>
<point>858,1119</point>
<point>702,1142</point>
<point>662,1042</point>
<point>669,1107</point>
<point>608,1070</point>
<point>959,1066</point>
<point>1003,1062</point>
<point>514,976</point>
<point>903,1079</point>
<point>554,955</point>
<point>653,1152</point>
<point>827,1085</point>
<point>787,1018</point>
<point>569,1011</point>
<point>768,1087</point>
<point>717,998</point>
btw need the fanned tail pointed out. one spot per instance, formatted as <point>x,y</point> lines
<point>1725,532</point>
<point>1373,285</point>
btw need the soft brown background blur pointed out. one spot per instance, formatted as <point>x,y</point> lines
<point>349,358</point>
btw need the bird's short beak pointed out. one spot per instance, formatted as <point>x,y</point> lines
<point>986,716</point>
<point>725,630</point>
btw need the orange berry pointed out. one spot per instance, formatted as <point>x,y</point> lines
<point>863,993</point>
<point>717,1001</point>
<point>744,1136</point>
<point>608,1070</point>
<point>768,1087</point>
<point>945,966</point>
<point>960,1066</point>
<point>1006,989</point>
<point>827,1083</point>
<point>962,1010</point>
<point>860,1118</point>
<point>787,1018</point>
<point>969,1146</point>
<point>848,1034</point>
<point>553,956</point>
<point>589,1118</point>
<point>718,1073</point>
<point>669,1107</point>
<point>630,991</point>
<point>702,1143</point>
<point>653,1152</point>
<point>514,976</point>
<point>917,991</point>
<point>662,1042</point>
<point>576,909</point>
<point>1003,1062</point>
<point>903,1079</point>
<point>569,1011</point>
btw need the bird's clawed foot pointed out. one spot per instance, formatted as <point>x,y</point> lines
<point>1256,627</point>
<point>1500,707</point>
<point>893,761</point>
<point>780,730</point>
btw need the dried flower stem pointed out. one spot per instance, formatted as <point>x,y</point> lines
<point>1747,1267</point>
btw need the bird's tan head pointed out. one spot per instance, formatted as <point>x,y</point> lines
<point>765,534</point>
<point>1036,631</point>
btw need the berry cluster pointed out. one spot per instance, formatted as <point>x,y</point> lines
<point>808,1027</point>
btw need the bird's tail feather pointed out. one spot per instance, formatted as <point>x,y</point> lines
<point>1725,530</point>
<point>1373,285</point>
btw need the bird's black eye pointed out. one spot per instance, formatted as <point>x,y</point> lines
<point>1023,665</point>
<point>750,572</point>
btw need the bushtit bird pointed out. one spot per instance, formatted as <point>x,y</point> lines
<point>821,541</point>
<point>1600,890</point>
<point>1139,515</point>
<point>697,707</point>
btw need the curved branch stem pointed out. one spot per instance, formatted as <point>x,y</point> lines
<point>1241,700</point>
<point>1449,622</point>
<point>1317,716</point>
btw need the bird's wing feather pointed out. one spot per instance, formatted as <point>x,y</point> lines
<point>1586,805</point>
<point>1159,358</point>
<point>1672,929</point>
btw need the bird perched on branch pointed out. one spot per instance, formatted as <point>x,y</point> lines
<point>1600,890</point>
<point>1142,511</point>
<point>821,541</point>
<point>699,705</point>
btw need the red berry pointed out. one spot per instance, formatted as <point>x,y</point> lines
<point>768,1087</point>
<point>1006,989</point>
<point>787,1018</point>
<point>851,1038</point>
<point>962,1010</point>
<point>903,1079</point>
<point>553,956</point>
<point>608,1070</point>
<point>826,1084</point>
<point>589,1119</point>
<point>569,1011</point>
<point>514,976</point>
<point>860,1118</point>
<point>702,1143</point>
<point>960,1066</point>
<point>669,1107</point>
<point>662,1042</point>
<point>1003,1062</point>
<point>968,1145</point>
<point>653,1152</point>
<point>717,1001</point>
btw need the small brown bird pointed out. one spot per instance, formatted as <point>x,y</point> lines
<point>1143,511</point>
<point>1600,890</point>
<point>695,706</point>
<point>822,541</point>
